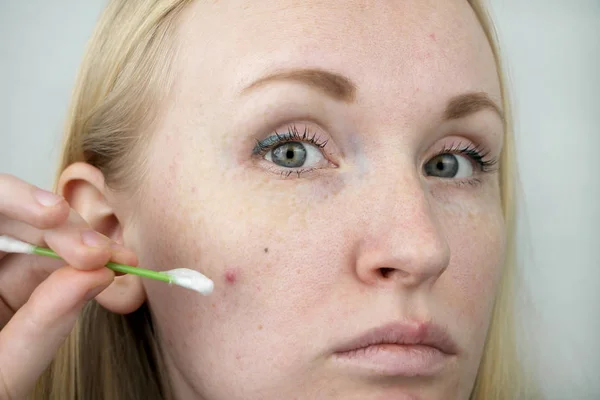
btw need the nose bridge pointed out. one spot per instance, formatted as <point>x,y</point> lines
<point>401,235</point>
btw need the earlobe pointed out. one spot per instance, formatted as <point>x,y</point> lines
<point>83,186</point>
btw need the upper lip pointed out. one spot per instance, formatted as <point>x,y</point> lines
<point>402,333</point>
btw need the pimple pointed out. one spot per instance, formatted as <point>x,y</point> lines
<point>432,36</point>
<point>231,276</point>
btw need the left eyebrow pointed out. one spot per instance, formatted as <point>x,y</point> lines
<point>334,85</point>
<point>466,104</point>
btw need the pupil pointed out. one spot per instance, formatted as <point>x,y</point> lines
<point>442,166</point>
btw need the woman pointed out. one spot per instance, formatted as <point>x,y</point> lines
<point>341,170</point>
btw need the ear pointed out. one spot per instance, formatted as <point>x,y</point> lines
<point>83,186</point>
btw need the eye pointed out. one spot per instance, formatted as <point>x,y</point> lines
<point>449,166</point>
<point>293,152</point>
<point>295,155</point>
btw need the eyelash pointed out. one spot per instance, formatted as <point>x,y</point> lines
<point>476,154</point>
<point>292,135</point>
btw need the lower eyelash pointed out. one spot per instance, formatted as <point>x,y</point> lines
<point>286,174</point>
<point>470,181</point>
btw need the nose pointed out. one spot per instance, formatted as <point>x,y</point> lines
<point>402,243</point>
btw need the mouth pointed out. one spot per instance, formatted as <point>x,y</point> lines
<point>399,349</point>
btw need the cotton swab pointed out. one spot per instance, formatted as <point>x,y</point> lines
<point>183,277</point>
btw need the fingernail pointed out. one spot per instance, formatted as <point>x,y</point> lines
<point>47,199</point>
<point>93,239</point>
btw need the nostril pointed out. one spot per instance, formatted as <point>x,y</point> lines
<point>385,272</point>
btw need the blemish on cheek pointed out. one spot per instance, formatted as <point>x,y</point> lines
<point>230,276</point>
<point>266,249</point>
<point>432,36</point>
<point>260,327</point>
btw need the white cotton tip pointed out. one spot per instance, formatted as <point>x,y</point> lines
<point>191,279</point>
<point>12,245</point>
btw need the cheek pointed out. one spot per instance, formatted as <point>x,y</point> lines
<point>250,249</point>
<point>475,234</point>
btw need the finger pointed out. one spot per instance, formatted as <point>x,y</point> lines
<point>78,244</point>
<point>21,230</point>
<point>31,339</point>
<point>123,255</point>
<point>24,202</point>
<point>21,274</point>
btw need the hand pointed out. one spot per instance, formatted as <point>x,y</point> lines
<point>40,297</point>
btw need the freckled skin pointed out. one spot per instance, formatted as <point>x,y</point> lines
<point>209,205</point>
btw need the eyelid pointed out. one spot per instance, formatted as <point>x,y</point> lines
<point>307,135</point>
<point>481,155</point>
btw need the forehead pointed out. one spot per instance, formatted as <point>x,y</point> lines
<point>389,48</point>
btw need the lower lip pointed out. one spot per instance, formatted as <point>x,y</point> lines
<point>395,360</point>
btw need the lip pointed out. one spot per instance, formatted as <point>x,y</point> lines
<point>399,349</point>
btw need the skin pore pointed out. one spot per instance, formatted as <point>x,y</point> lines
<point>359,237</point>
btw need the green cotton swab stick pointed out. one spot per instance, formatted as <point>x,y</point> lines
<point>183,277</point>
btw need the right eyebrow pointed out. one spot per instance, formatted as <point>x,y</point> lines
<point>332,84</point>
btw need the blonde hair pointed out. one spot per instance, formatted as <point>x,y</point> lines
<point>124,75</point>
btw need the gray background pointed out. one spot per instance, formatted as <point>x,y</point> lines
<point>553,58</point>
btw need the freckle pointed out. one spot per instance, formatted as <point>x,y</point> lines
<point>266,249</point>
<point>213,305</point>
<point>238,357</point>
<point>230,276</point>
<point>260,327</point>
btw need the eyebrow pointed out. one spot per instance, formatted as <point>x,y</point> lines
<point>334,85</point>
<point>343,89</point>
<point>466,104</point>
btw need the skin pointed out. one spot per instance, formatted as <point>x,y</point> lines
<point>305,263</point>
<point>269,329</point>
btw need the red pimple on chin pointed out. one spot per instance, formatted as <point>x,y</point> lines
<point>230,276</point>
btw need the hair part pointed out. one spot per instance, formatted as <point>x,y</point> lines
<point>126,72</point>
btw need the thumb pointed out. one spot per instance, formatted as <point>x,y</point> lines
<point>30,340</point>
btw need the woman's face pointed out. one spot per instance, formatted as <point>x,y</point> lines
<point>375,209</point>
